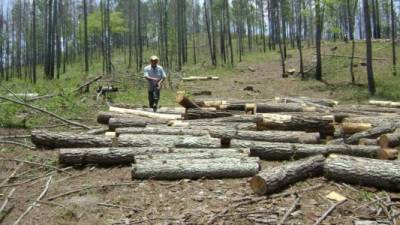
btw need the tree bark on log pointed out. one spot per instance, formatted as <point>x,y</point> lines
<point>195,124</point>
<point>321,124</point>
<point>352,128</point>
<point>115,123</point>
<point>192,155</point>
<point>186,102</point>
<point>195,169</point>
<point>162,131</point>
<point>104,118</point>
<point>287,151</point>
<point>374,132</point>
<point>193,114</point>
<point>373,120</point>
<point>385,103</point>
<point>105,156</point>
<point>366,141</point>
<point>269,136</point>
<point>364,109</point>
<point>152,115</point>
<point>282,107</point>
<point>301,99</point>
<point>276,179</point>
<point>390,140</point>
<point>52,140</point>
<point>361,171</point>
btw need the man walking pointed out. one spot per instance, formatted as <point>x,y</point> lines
<point>155,76</point>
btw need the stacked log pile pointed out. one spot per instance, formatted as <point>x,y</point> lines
<point>228,138</point>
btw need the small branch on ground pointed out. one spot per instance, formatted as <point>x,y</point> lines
<point>87,188</point>
<point>46,188</point>
<point>15,136</point>
<point>329,211</point>
<point>289,211</point>
<point>120,207</point>
<point>3,206</point>
<point>34,163</point>
<point>46,112</point>
<point>5,181</point>
<point>17,143</point>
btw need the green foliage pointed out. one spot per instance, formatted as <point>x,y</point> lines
<point>117,23</point>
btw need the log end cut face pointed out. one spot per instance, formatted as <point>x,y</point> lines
<point>258,185</point>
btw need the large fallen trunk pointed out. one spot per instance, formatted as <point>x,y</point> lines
<point>196,124</point>
<point>390,140</point>
<point>373,120</point>
<point>186,102</point>
<point>286,151</point>
<point>321,124</point>
<point>193,114</point>
<point>282,107</point>
<point>364,109</point>
<point>115,123</point>
<point>374,132</point>
<point>361,171</point>
<point>352,128</point>
<point>195,169</point>
<point>162,131</point>
<point>276,179</point>
<point>302,99</point>
<point>104,118</point>
<point>152,115</point>
<point>270,136</point>
<point>52,140</point>
<point>385,103</point>
<point>105,156</point>
<point>193,155</point>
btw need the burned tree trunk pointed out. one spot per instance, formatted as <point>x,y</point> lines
<point>274,180</point>
<point>362,171</point>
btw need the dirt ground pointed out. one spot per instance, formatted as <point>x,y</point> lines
<point>109,196</point>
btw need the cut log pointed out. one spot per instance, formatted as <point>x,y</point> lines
<point>211,103</point>
<point>232,151</point>
<point>361,171</point>
<point>366,141</point>
<point>146,114</point>
<point>196,124</point>
<point>374,132</point>
<point>373,120</point>
<point>364,109</point>
<point>115,123</point>
<point>385,103</point>
<point>390,140</point>
<point>52,140</point>
<point>195,169</point>
<point>186,102</point>
<point>104,117</point>
<point>105,156</point>
<point>193,114</point>
<point>352,128</point>
<point>321,124</point>
<point>162,131</point>
<point>197,93</point>
<point>276,179</point>
<point>194,155</point>
<point>270,136</point>
<point>324,104</point>
<point>195,78</point>
<point>287,151</point>
<point>198,142</point>
<point>282,107</point>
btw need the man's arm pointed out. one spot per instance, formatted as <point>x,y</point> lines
<point>146,75</point>
<point>163,76</point>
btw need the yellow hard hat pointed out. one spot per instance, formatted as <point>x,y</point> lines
<point>154,58</point>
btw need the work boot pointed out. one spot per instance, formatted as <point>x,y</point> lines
<point>155,108</point>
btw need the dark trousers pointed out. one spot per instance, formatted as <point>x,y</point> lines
<point>154,97</point>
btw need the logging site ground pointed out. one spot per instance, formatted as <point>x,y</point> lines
<point>108,195</point>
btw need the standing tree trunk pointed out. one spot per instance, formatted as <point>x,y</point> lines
<point>368,34</point>
<point>34,50</point>
<point>86,36</point>
<point>277,19</point>
<point>299,28</point>
<point>318,34</point>
<point>214,54</point>
<point>228,28</point>
<point>351,21</point>
<point>394,35</point>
